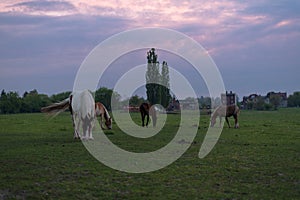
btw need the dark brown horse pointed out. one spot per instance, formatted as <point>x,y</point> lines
<point>226,111</point>
<point>146,109</point>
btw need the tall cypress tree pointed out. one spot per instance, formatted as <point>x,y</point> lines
<point>157,93</point>
<point>165,85</point>
<point>153,78</point>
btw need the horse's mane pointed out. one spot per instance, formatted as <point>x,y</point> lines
<point>218,111</point>
<point>106,114</point>
<point>224,110</point>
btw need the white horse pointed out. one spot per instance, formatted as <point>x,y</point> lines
<point>82,107</point>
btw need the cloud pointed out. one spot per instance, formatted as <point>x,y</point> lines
<point>40,37</point>
<point>34,45</point>
<point>55,8</point>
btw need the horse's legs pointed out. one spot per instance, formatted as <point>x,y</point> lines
<point>78,129</point>
<point>75,125</point>
<point>143,118</point>
<point>101,121</point>
<point>236,124</point>
<point>227,122</point>
<point>84,129</point>
<point>147,119</point>
<point>90,129</point>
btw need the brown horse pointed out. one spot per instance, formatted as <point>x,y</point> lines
<point>102,112</point>
<point>226,111</point>
<point>146,109</point>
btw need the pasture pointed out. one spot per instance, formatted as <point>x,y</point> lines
<point>261,160</point>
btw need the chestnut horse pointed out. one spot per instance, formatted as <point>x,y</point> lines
<point>226,111</point>
<point>102,112</point>
<point>146,110</point>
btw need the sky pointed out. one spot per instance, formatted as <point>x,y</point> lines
<point>255,44</point>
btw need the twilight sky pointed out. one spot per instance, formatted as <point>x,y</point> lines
<point>255,44</point>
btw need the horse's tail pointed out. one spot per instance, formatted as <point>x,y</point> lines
<point>56,108</point>
<point>152,111</point>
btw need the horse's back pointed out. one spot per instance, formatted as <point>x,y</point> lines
<point>83,103</point>
<point>144,107</point>
<point>88,104</point>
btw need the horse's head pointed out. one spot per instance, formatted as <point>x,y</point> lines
<point>108,123</point>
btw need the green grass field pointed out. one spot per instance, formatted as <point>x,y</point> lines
<point>261,160</point>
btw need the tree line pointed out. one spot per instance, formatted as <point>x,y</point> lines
<point>294,100</point>
<point>32,102</point>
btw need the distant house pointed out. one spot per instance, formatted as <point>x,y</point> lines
<point>281,96</point>
<point>278,98</point>
<point>229,98</point>
<point>186,104</point>
<point>189,104</point>
<point>248,101</point>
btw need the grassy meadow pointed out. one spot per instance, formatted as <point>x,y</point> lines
<point>261,160</point>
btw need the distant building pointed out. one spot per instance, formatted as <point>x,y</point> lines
<point>248,101</point>
<point>279,98</point>
<point>189,104</point>
<point>229,98</point>
<point>186,104</point>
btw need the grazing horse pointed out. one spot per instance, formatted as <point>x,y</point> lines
<point>146,110</point>
<point>226,111</point>
<point>82,108</point>
<point>102,112</point>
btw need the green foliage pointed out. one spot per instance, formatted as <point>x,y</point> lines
<point>268,106</point>
<point>136,100</point>
<point>294,100</point>
<point>10,102</point>
<point>157,84</point>
<point>59,97</point>
<point>259,104</point>
<point>32,101</point>
<point>106,96</point>
<point>152,83</point>
<point>204,102</point>
<point>275,101</point>
<point>165,85</point>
